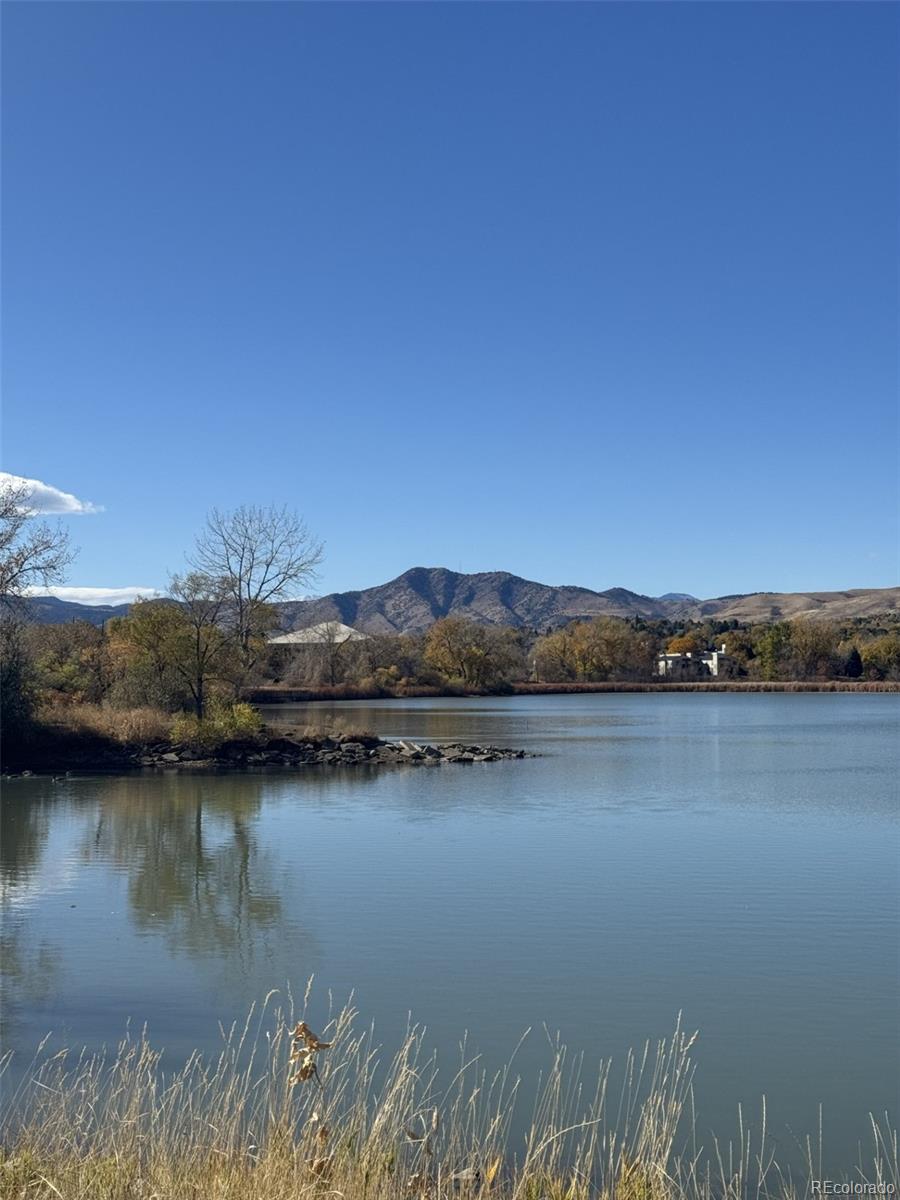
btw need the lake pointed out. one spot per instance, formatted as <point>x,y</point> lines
<point>733,857</point>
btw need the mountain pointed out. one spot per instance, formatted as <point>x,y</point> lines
<point>48,610</point>
<point>761,607</point>
<point>419,597</point>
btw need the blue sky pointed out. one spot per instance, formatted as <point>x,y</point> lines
<point>600,294</point>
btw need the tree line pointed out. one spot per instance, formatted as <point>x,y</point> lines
<point>181,656</point>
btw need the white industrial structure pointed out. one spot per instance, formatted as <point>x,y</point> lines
<point>327,633</point>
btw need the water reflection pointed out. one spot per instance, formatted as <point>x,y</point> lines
<point>24,821</point>
<point>194,866</point>
<point>30,973</point>
<point>195,876</point>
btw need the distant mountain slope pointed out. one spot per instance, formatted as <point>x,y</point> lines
<point>48,610</point>
<point>761,607</point>
<point>419,597</point>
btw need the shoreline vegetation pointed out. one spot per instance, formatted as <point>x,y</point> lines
<point>83,737</point>
<point>281,1111</point>
<point>279,694</point>
<point>90,738</point>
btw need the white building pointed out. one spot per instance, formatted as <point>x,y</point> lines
<point>687,667</point>
<point>327,633</point>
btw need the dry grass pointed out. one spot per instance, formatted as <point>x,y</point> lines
<point>272,693</point>
<point>730,685</point>
<point>281,1113</point>
<point>336,727</point>
<point>126,726</point>
<point>279,694</point>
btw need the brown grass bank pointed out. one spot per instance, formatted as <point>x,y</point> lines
<point>278,694</point>
<point>282,1112</point>
<point>729,685</point>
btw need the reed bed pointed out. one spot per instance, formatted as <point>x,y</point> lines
<point>281,694</point>
<point>126,726</point>
<point>284,1112</point>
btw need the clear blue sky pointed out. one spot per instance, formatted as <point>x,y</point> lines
<point>595,293</point>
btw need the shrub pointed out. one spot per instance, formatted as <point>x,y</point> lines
<point>222,723</point>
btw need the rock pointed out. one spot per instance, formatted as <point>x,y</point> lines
<point>170,757</point>
<point>281,745</point>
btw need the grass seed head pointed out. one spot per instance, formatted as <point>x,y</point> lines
<point>322,1166</point>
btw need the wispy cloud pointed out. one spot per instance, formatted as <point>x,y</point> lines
<point>98,595</point>
<point>44,499</point>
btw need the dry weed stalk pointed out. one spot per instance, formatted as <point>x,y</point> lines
<point>236,1126</point>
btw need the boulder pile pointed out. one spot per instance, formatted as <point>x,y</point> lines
<point>343,751</point>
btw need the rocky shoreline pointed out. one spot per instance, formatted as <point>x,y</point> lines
<point>349,751</point>
<point>276,753</point>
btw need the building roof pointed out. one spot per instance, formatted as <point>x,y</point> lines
<point>326,633</point>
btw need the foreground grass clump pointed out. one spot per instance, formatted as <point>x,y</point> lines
<point>284,1112</point>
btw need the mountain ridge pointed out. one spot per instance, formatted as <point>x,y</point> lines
<point>422,595</point>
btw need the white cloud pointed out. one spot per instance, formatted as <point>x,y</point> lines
<point>45,499</point>
<point>98,595</point>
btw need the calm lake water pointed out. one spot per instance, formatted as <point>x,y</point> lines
<point>734,857</point>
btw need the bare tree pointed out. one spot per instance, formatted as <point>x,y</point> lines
<point>30,553</point>
<point>261,555</point>
<point>333,638</point>
<point>198,646</point>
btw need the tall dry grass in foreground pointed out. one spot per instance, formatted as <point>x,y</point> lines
<point>285,1112</point>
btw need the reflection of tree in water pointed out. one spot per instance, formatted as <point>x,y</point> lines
<point>195,869</point>
<point>30,974</point>
<point>29,968</point>
<point>24,823</point>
